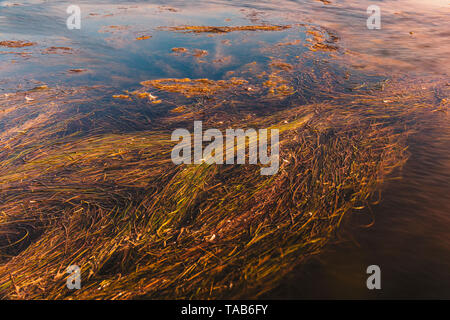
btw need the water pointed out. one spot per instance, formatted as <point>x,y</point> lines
<point>409,238</point>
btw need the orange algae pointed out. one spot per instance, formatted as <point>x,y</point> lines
<point>195,87</point>
<point>291,43</point>
<point>215,29</point>
<point>179,50</point>
<point>121,96</point>
<point>282,65</point>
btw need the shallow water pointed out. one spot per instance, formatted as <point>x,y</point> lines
<point>409,239</point>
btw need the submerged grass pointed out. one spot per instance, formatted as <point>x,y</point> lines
<point>87,179</point>
<point>226,29</point>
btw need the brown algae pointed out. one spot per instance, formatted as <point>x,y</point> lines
<point>225,29</point>
<point>194,87</point>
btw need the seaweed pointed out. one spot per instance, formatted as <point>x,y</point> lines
<point>86,176</point>
<point>140,226</point>
<point>16,44</point>
<point>225,29</point>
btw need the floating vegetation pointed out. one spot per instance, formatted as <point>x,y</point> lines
<point>121,96</point>
<point>77,70</point>
<point>290,43</point>
<point>323,47</point>
<point>223,60</point>
<point>200,53</point>
<point>113,29</point>
<point>167,8</point>
<point>212,29</point>
<point>179,50</point>
<point>281,65</point>
<point>86,175</point>
<point>179,109</point>
<point>58,50</point>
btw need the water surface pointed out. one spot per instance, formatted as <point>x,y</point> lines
<point>409,238</point>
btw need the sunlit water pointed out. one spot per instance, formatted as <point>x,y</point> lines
<point>409,239</point>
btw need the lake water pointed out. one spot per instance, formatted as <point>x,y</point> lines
<point>409,239</point>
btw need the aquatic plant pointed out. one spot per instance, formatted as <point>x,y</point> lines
<point>86,177</point>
